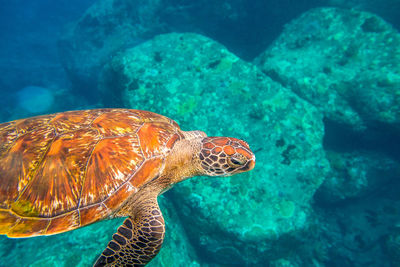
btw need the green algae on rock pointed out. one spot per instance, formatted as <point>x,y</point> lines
<point>106,27</point>
<point>200,84</point>
<point>345,62</point>
<point>110,26</point>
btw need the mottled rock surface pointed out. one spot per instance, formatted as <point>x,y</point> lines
<point>345,62</point>
<point>392,245</point>
<point>363,232</point>
<point>249,218</point>
<point>106,27</point>
<point>388,9</point>
<point>357,175</point>
<point>110,26</point>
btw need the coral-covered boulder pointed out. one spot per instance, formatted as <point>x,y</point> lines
<point>359,232</point>
<point>387,9</point>
<point>248,218</point>
<point>345,62</point>
<point>105,28</point>
<point>356,175</point>
<point>110,26</point>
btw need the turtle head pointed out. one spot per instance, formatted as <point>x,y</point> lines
<point>225,156</point>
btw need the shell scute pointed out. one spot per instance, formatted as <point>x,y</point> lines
<point>172,141</point>
<point>122,193</point>
<point>74,120</point>
<point>93,213</point>
<point>117,123</point>
<point>150,168</point>
<point>148,116</point>
<point>69,220</point>
<point>57,184</point>
<point>7,136</point>
<point>62,171</point>
<point>7,221</point>
<point>111,162</point>
<point>28,227</point>
<point>20,163</point>
<point>28,125</point>
<point>153,137</point>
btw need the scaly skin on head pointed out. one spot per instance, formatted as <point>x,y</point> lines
<point>225,156</point>
<point>211,156</point>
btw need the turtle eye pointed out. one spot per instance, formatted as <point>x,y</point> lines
<point>236,161</point>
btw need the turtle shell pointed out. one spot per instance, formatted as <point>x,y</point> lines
<point>63,171</point>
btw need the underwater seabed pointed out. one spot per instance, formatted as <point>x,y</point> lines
<point>317,98</point>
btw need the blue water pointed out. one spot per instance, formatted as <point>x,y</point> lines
<point>334,199</point>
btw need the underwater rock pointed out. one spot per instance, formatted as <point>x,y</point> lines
<point>247,219</point>
<point>387,9</point>
<point>356,175</point>
<point>363,232</point>
<point>345,62</point>
<point>104,29</point>
<point>392,245</point>
<point>110,26</point>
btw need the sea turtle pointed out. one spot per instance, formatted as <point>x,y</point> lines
<point>62,171</point>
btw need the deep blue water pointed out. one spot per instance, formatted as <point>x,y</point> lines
<point>30,33</point>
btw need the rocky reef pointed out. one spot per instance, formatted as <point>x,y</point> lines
<point>357,175</point>
<point>319,106</point>
<point>110,26</point>
<point>345,62</point>
<point>202,85</point>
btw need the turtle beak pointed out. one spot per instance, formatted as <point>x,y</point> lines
<point>250,165</point>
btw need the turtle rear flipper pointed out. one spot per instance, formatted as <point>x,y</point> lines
<point>138,240</point>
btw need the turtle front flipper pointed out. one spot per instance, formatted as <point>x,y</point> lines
<point>138,240</point>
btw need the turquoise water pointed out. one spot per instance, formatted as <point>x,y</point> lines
<point>313,87</point>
